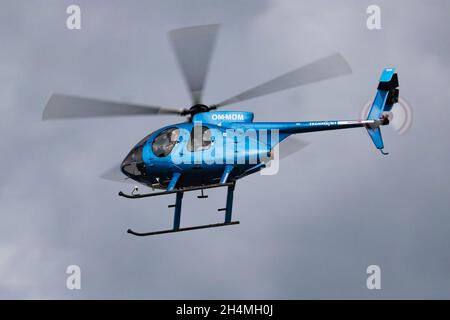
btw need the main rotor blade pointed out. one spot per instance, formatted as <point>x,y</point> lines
<point>114,174</point>
<point>66,107</point>
<point>291,146</point>
<point>193,47</point>
<point>326,68</point>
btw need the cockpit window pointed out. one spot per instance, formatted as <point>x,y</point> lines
<point>133,163</point>
<point>200,139</point>
<point>144,140</point>
<point>165,141</point>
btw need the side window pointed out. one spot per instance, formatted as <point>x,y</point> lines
<point>200,139</point>
<point>165,141</point>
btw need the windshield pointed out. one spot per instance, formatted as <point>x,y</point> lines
<point>133,164</point>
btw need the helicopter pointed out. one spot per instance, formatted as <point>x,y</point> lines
<point>214,148</point>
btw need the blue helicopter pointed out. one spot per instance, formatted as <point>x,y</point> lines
<point>217,148</point>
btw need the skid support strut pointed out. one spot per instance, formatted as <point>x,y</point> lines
<point>177,211</point>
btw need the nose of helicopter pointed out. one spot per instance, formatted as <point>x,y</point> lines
<point>133,165</point>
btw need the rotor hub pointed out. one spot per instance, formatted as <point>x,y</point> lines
<point>197,108</point>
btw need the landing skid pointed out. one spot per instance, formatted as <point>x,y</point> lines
<point>187,189</point>
<point>205,226</point>
<point>177,212</point>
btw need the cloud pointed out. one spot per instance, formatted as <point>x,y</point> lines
<point>308,232</point>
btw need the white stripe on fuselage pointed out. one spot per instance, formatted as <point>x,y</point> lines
<point>346,122</point>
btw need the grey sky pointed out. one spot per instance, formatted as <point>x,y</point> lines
<point>308,232</point>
